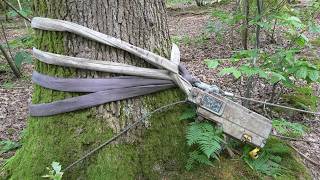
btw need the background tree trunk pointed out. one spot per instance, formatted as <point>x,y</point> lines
<point>146,152</point>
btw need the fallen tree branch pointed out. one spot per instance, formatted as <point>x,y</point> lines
<point>306,157</point>
<point>17,11</point>
<point>13,67</point>
<point>295,139</point>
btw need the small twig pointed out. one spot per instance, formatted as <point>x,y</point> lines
<point>295,139</point>
<point>273,94</point>
<point>304,156</point>
<point>17,11</point>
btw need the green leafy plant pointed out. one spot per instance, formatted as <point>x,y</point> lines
<point>7,85</point>
<point>25,11</point>
<point>6,146</point>
<point>288,128</point>
<point>54,172</point>
<point>303,98</point>
<point>207,140</point>
<point>197,157</point>
<point>266,163</point>
<point>22,57</point>
<point>189,113</point>
<point>270,159</point>
<point>22,42</point>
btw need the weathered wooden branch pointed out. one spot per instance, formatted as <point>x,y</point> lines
<point>13,67</point>
<point>59,25</point>
<point>96,65</point>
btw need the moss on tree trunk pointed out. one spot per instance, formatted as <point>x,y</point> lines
<point>154,150</point>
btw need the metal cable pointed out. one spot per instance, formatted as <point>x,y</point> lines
<point>277,105</point>
<point>122,132</point>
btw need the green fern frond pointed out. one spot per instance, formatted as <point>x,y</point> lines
<point>197,157</point>
<point>288,128</point>
<point>266,163</point>
<point>277,147</point>
<point>206,136</point>
<point>189,113</point>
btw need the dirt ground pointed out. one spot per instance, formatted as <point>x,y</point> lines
<point>15,94</point>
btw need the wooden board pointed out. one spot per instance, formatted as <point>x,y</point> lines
<point>236,120</point>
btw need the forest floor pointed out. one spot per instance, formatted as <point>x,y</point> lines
<point>187,27</point>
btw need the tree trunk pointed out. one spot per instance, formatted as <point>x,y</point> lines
<point>153,150</point>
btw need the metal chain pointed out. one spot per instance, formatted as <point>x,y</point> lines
<point>142,119</point>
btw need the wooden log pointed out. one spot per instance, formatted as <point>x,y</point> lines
<point>60,25</point>
<point>96,65</point>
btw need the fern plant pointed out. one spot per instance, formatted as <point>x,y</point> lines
<point>267,163</point>
<point>288,128</point>
<point>207,139</point>
<point>188,113</point>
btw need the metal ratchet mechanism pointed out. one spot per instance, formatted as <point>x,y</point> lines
<point>235,120</point>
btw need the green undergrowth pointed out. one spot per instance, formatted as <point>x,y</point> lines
<point>290,129</point>
<point>207,153</point>
<point>303,98</point>
<point>227,168</point>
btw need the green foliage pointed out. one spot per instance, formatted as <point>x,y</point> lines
<point>270,160</point>
<point>7,85</point>
<point>288,128</point>
<point>266,163</point>
<point>212,63</point>
<point>189,113</point>
<point>230,70</point>
<point>303,97</point>
<point>54,172</point>
<point>281,65</point>
<point>25,42</point>
<point>6,146</point>
<point>25,11</point>
<point>197,157</point>
<point>22,57</point>
<point>220,21</point>
<point>207,139</point>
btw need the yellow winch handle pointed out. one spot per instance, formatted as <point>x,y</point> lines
<point>254,153</point>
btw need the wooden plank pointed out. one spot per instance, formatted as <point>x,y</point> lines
<point>60,25</point>
<point>175,54</point>
<point>235,119</point>
<point>96,65</point>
